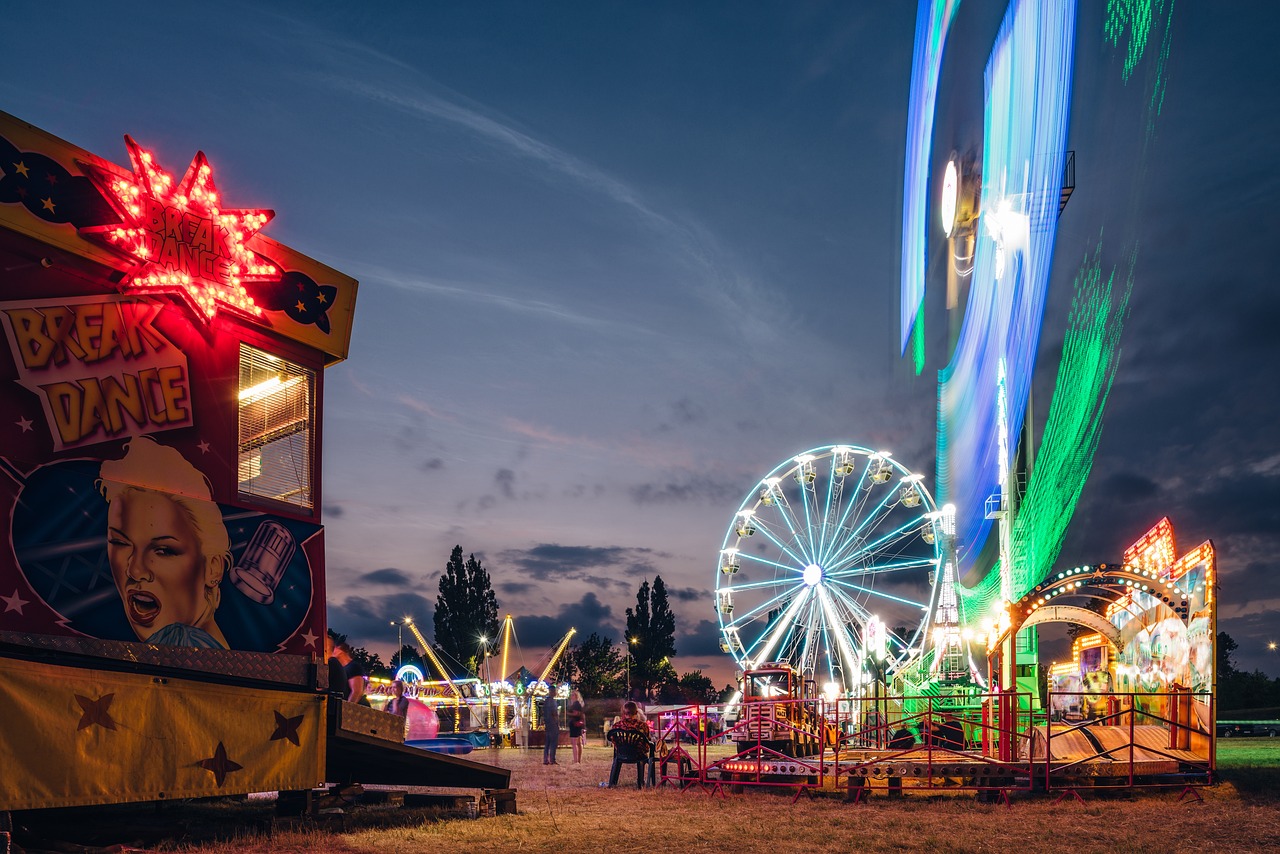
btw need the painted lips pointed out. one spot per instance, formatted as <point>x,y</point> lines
<point>143,608</point>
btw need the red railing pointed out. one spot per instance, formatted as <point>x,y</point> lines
<point>994,744</point>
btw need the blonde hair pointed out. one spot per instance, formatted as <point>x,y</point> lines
<point>150,467</point>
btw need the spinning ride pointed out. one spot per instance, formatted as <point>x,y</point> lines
<point>829,565</point>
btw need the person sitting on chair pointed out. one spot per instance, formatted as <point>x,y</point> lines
<point>630,740</point>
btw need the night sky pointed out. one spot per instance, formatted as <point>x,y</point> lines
<point>617,261</point>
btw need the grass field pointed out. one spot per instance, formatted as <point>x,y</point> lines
<point>562,808</point>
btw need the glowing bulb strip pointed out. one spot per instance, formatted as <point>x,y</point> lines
<point>933,19</point>
<point>1028,85</point>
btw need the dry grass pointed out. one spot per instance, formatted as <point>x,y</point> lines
<point>562,807</point>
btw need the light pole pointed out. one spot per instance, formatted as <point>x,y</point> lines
<point>399,624</point>
<point>630,643</point>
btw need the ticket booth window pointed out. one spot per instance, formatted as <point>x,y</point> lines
<point>277,428</point>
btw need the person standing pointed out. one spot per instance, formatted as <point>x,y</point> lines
<point>577,725</point>
<point>346,674</point>
<point>551,721</point>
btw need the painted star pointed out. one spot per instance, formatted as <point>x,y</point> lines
<point>310,638</point>
<point>287,728</point>
<point>95,712</point>
<point>25,424</point>
<point>220,765</point>
<point>204,447</point>
<point>47,204</point>
<point>301,308</point>
<point>21,169</point>
<point>320,297</point>
<point>14,603</point>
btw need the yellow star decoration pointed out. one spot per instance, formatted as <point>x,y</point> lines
<point>21,169</point>
<point>320,297</point>
<point>47,204</point>
<point>301,308</point>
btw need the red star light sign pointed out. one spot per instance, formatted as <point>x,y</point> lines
<point>180,239</point>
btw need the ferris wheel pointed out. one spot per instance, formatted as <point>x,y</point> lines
<point>830,564</point>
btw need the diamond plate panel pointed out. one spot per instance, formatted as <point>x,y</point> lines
<point>268,667</point>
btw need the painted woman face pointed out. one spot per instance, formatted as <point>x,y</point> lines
<point>156,562</point>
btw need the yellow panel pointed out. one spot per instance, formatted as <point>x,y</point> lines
<point>74,736</point>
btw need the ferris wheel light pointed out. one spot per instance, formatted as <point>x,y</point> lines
<point>812,574</point>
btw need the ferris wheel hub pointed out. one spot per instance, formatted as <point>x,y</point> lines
<point>812,574</point>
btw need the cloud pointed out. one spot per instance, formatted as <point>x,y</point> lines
<point>554,562</point>
<point>587,615</point>
<point>687,411</point>
<point>1128,486</point>
<point>433,464</point>
<point>367,619</point>
<point>702,640</point>
<point>505,480</point>
<point>517,588</point>
<point>334,510</point>
<point>389,576</point>
<point>688,594</point>
<point>691,489</point>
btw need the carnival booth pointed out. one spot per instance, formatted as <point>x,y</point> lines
<point>163,581</point>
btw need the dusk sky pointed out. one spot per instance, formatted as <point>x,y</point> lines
<point>617,261</point>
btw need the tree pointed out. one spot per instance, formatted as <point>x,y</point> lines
<point>1226,646</point>
<point>596,668</point>
<point>697,688</point>
<point>372,663</point>
<point>466,611</point>
<point>409,655</point>
<point>651,634</point>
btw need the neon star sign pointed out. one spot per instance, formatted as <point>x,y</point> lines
<point>179,238</point>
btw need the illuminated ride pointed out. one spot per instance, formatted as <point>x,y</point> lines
<point>823,565</point>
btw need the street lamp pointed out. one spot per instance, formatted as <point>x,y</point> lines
<point>400,624</point>
<point>630,643</point>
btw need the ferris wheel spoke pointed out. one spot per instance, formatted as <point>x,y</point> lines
<point>902,532</point>
<point>805,491</point>
<point>869,523</point>
<point>871,591</point>
<point>857,499</point>
<point>785,621</point>
<point>742,619</point>
<point>756,585</point>
<point>800,559</point>
<point>789,567</point>
<point>786,514</point>
<point>880,568</point>
<point>848,657</point>
<point>826,509</point>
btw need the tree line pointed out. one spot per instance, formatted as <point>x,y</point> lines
<point>1241,691</point>
<point>465,633</point>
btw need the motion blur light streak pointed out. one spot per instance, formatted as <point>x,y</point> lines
<point>933,19</point>
<point>1028,88</point>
